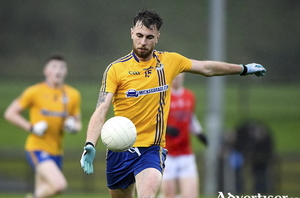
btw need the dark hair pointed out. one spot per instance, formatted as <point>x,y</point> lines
<point>59,57</point>
<point>148,18</point>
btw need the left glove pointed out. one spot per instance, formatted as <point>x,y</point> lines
<point>253,68</point>
<point>202,137</point>
<point>70,125</point>
<point>87,158</point>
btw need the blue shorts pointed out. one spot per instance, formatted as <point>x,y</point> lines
<point>36,157</point>
<point>122,167</point>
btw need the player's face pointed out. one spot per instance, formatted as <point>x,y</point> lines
<point>144,41</point>
<point>55,72</point>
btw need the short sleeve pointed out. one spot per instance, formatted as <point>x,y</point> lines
<point>109,80</point>
<point>183,63</point>
<point>26,98</point>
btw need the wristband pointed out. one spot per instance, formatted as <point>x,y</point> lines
<point>89,143</point>
<point>245,70</point>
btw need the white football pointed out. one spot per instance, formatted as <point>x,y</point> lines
<point>118,134</point>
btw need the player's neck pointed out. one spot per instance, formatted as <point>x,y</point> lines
<point>145,59</point>
<point>54,85</point>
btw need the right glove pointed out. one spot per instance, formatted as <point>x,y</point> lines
<point>87,158</point>
<point>253,68</point>
<point>39,128</point>
<point>70,125</point>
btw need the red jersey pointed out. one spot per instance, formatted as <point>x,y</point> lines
<point>180,117</point>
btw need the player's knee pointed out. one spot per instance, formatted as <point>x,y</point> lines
<point>60,186</point>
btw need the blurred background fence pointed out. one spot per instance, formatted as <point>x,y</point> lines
<point>91,34</point>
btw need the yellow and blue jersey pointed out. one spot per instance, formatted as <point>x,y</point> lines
<point>142,92</point>
<point>53,106</point>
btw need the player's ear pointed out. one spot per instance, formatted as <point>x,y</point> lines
<point>131,33</point>
<point>66,71</point>
<point>45,70</point>
<point>157,37</point>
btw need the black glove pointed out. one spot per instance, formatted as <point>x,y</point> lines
<point>202,138</point>
<point>172,131</point>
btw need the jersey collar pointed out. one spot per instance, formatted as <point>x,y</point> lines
<point>137,59</point>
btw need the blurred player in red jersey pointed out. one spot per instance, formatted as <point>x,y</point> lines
<point>181,168</point>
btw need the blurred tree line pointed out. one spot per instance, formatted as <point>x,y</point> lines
<point>92,34</point>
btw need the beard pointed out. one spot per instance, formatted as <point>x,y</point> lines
<point>143,54</point>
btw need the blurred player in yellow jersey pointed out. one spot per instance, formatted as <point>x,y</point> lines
<point>54,107</point>
<point>139,86</point>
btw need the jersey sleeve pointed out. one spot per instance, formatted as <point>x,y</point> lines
<point>26,98</point>
<point>109,80</point>
<point>176,63</point>
<point>183,63</point>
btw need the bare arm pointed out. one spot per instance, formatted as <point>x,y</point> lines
<point>215,68</point>
<point>195,126</point>
<point>197,130</point>
<point>13,115</point>
<point>98,118</point>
